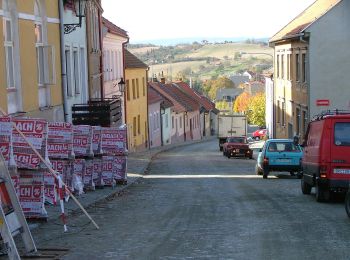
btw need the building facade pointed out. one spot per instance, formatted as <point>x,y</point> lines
<point>136,103</point>
<point>74,60</point>
<point>30,59</point>
<point>307,76</point>
<point>94,48</point>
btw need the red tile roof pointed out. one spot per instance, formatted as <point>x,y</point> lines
<point>131,61</point>
<point>153,96</point>
<point>178,107</point>
<point>112,28</point>
<point>166,103</point>
<point>207,104</point>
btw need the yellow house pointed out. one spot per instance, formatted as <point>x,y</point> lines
<point>30,71</point>
<point>136,102</point>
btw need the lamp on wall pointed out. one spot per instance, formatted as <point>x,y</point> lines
<point>80,6</point>
<point>121,85</point>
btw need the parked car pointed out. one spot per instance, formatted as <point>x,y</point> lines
<point>326,163</point>
<point>237,146</point>
<point>279,155</point>
<point>259,134</point>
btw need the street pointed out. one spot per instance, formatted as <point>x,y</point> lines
<point>194,203</point>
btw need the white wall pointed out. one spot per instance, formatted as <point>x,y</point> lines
<point>76,41</point>
<point>329,59</point>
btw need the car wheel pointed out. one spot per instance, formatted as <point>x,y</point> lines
<point>299,175</point>
<point>265,173</point>
<point>347,203</point>
<point>251,157</point>
<point>292,173</point>
<point>322,194</point>
<point>228,155</point>
<point>221,149</point>
<point>257,138</point>
<point>305,187</point>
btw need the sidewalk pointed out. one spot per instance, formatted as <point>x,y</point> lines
<point>137,165</point>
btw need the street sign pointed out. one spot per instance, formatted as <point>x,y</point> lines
<point>323,102</point>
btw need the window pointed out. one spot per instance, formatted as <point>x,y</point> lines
<point>304,122</point>
<point>288,66</point>
<point>303,58</point>
<point>181,118</point>
<point>137,88</point>
<point>278,66</point>
<point>278,110</point>
<point>82,70</point>
<point>76,78</point>
<point>143,87</point>
<point>134,126</point>
<point>133,89</point>
<point>8,42</point>
<point>69,87</point>
<point>172,122</point>
<point>138,124</point>
<point>127,90</point>
<point>341,134</point>
<point>283,113</point>
<point>298,121</point>
<point>282,66</point>
<point>297,67</point>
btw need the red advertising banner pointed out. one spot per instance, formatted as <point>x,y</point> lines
<point>31,193</point>
<point>35,131</point>
<point>88,180</point>
<point>50,188</point>
<point>96,139</point>
<point>121,168</point>
<point>5,137</point>
<point>97,172</point>
<point>60,140</point>
<point>82,140</point>
<point>108,169</point>
<point>113,141</point>
<point>78,174</point>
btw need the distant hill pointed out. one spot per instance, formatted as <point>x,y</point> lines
<point>204,60</point>
<point>168,42</point>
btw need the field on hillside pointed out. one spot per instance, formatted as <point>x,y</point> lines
<point>229,50</point>
<point>205,61</point>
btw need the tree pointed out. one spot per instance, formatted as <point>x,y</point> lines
<point>219,83</point>
<point>256,109</point>
<point>222,105</point>
<point>241,103</point>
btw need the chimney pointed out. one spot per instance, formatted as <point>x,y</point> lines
<point>162,79</point>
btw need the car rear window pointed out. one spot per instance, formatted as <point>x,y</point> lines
<point>341,134</point>
<point>241,140</point>
<point>283,147</point>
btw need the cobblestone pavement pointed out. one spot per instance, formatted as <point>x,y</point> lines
<point>195,203</point>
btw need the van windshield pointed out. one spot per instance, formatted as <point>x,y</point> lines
<point>341,134</point>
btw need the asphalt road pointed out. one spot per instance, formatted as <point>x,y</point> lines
<point>196,204</point>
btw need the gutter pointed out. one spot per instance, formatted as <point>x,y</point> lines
<point>63,62</point>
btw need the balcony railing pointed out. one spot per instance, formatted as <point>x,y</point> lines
<point>97,112</point>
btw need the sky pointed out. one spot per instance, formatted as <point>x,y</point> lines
<point>179,19</point>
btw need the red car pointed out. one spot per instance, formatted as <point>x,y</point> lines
<point>259,134</point>
<point>237,146</point>
<point>326,164</point>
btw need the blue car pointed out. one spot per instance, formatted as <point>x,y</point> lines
<point>282,155</point>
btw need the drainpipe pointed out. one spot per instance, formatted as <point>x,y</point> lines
<point>124,99</point>
<point>101,54</point>
<point>63,62</point>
